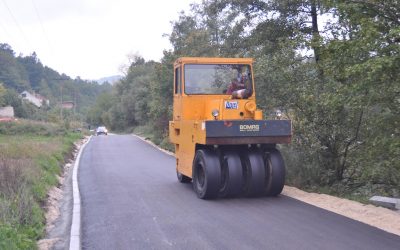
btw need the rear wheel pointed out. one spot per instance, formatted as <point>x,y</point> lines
<point>254,173</point>
<point>182,178</point>
<point>206,174</point>
<point>275,172</point>
<point>231,175</point>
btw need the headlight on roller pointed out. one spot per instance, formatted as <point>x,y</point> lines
<point>278,114</point>
<point>215,113</point>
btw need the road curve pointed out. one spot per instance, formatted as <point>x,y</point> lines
<point>132,200</point>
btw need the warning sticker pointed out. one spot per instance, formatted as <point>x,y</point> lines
<point>231,105</point>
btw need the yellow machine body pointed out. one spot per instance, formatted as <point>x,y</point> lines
<point>194,113</point>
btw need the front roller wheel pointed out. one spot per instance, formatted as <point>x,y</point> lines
<point>232,175</point>
<point>254,168</point>
<point>275,172</point>
<point>206,174</point>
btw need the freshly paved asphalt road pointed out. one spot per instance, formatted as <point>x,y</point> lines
<point>132,200</point>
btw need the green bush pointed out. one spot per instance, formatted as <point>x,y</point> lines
<point>144,131</point>
<point>25,127</point>
<point>167,145</point>
<point>13,238</point>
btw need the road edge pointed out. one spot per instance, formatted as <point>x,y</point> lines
<point>154,145</point>
<point>75,234</point>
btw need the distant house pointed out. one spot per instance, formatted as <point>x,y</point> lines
<point>68,105</point>
<point>34,98</point>
<point>6,114</point>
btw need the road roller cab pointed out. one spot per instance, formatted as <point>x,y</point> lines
<point>221,141</point>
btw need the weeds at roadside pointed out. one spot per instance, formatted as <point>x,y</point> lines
<point>160,140</point>
<point>17,206</point>
<point>28,168</point>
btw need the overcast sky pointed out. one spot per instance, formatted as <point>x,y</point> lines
<point>88,38</point>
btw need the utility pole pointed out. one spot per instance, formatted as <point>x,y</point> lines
<point>74,100</point>
<point>61,104</point>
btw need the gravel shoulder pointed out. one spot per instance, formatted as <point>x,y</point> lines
<point>382,218</point>
<point>379,217</point>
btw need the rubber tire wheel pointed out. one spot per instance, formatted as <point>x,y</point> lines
<point>275,172</point>
<point>254,167</point>
<point>206,174</point>
<point>183,178</point>
<point>231,175</point>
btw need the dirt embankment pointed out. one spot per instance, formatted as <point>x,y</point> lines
<point>58,203</point>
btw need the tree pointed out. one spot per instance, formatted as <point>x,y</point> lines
<point>364,57</point>
<point>161,94</point>
<point>2,93</point>
<point>96,113</point>
<point>34,69</point>
<point>11,73</point>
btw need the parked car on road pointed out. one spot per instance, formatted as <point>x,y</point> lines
<point>101,130</point>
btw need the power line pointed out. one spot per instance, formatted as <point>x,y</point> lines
<point>5,30</point>
<point>42,26</point>
<point>17,24</point>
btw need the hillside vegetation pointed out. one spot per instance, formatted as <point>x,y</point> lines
<point>20,73</point>
<point>338,81</point>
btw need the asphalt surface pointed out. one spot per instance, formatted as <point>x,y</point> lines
<point>131,199</point>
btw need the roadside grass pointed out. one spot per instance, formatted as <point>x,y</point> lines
<point>30,159</point>
<point>160,140</point>
<point>144,131</point>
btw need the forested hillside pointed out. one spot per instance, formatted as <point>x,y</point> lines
<point>20,73</point>
<point>331,66</point>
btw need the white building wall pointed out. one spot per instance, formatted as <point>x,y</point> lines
<point>31,98</point>
<point>7,111</point>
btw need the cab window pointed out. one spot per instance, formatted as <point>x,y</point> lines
<point>178,78</point>
<point>217,79</point>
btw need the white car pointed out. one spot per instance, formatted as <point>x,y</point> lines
<point>101,130</point>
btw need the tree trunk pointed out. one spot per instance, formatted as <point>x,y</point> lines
<point>315,31</point>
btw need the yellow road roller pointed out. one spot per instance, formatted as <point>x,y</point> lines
<point>222,144</point>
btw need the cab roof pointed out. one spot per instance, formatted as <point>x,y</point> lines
<point>213,60</point>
